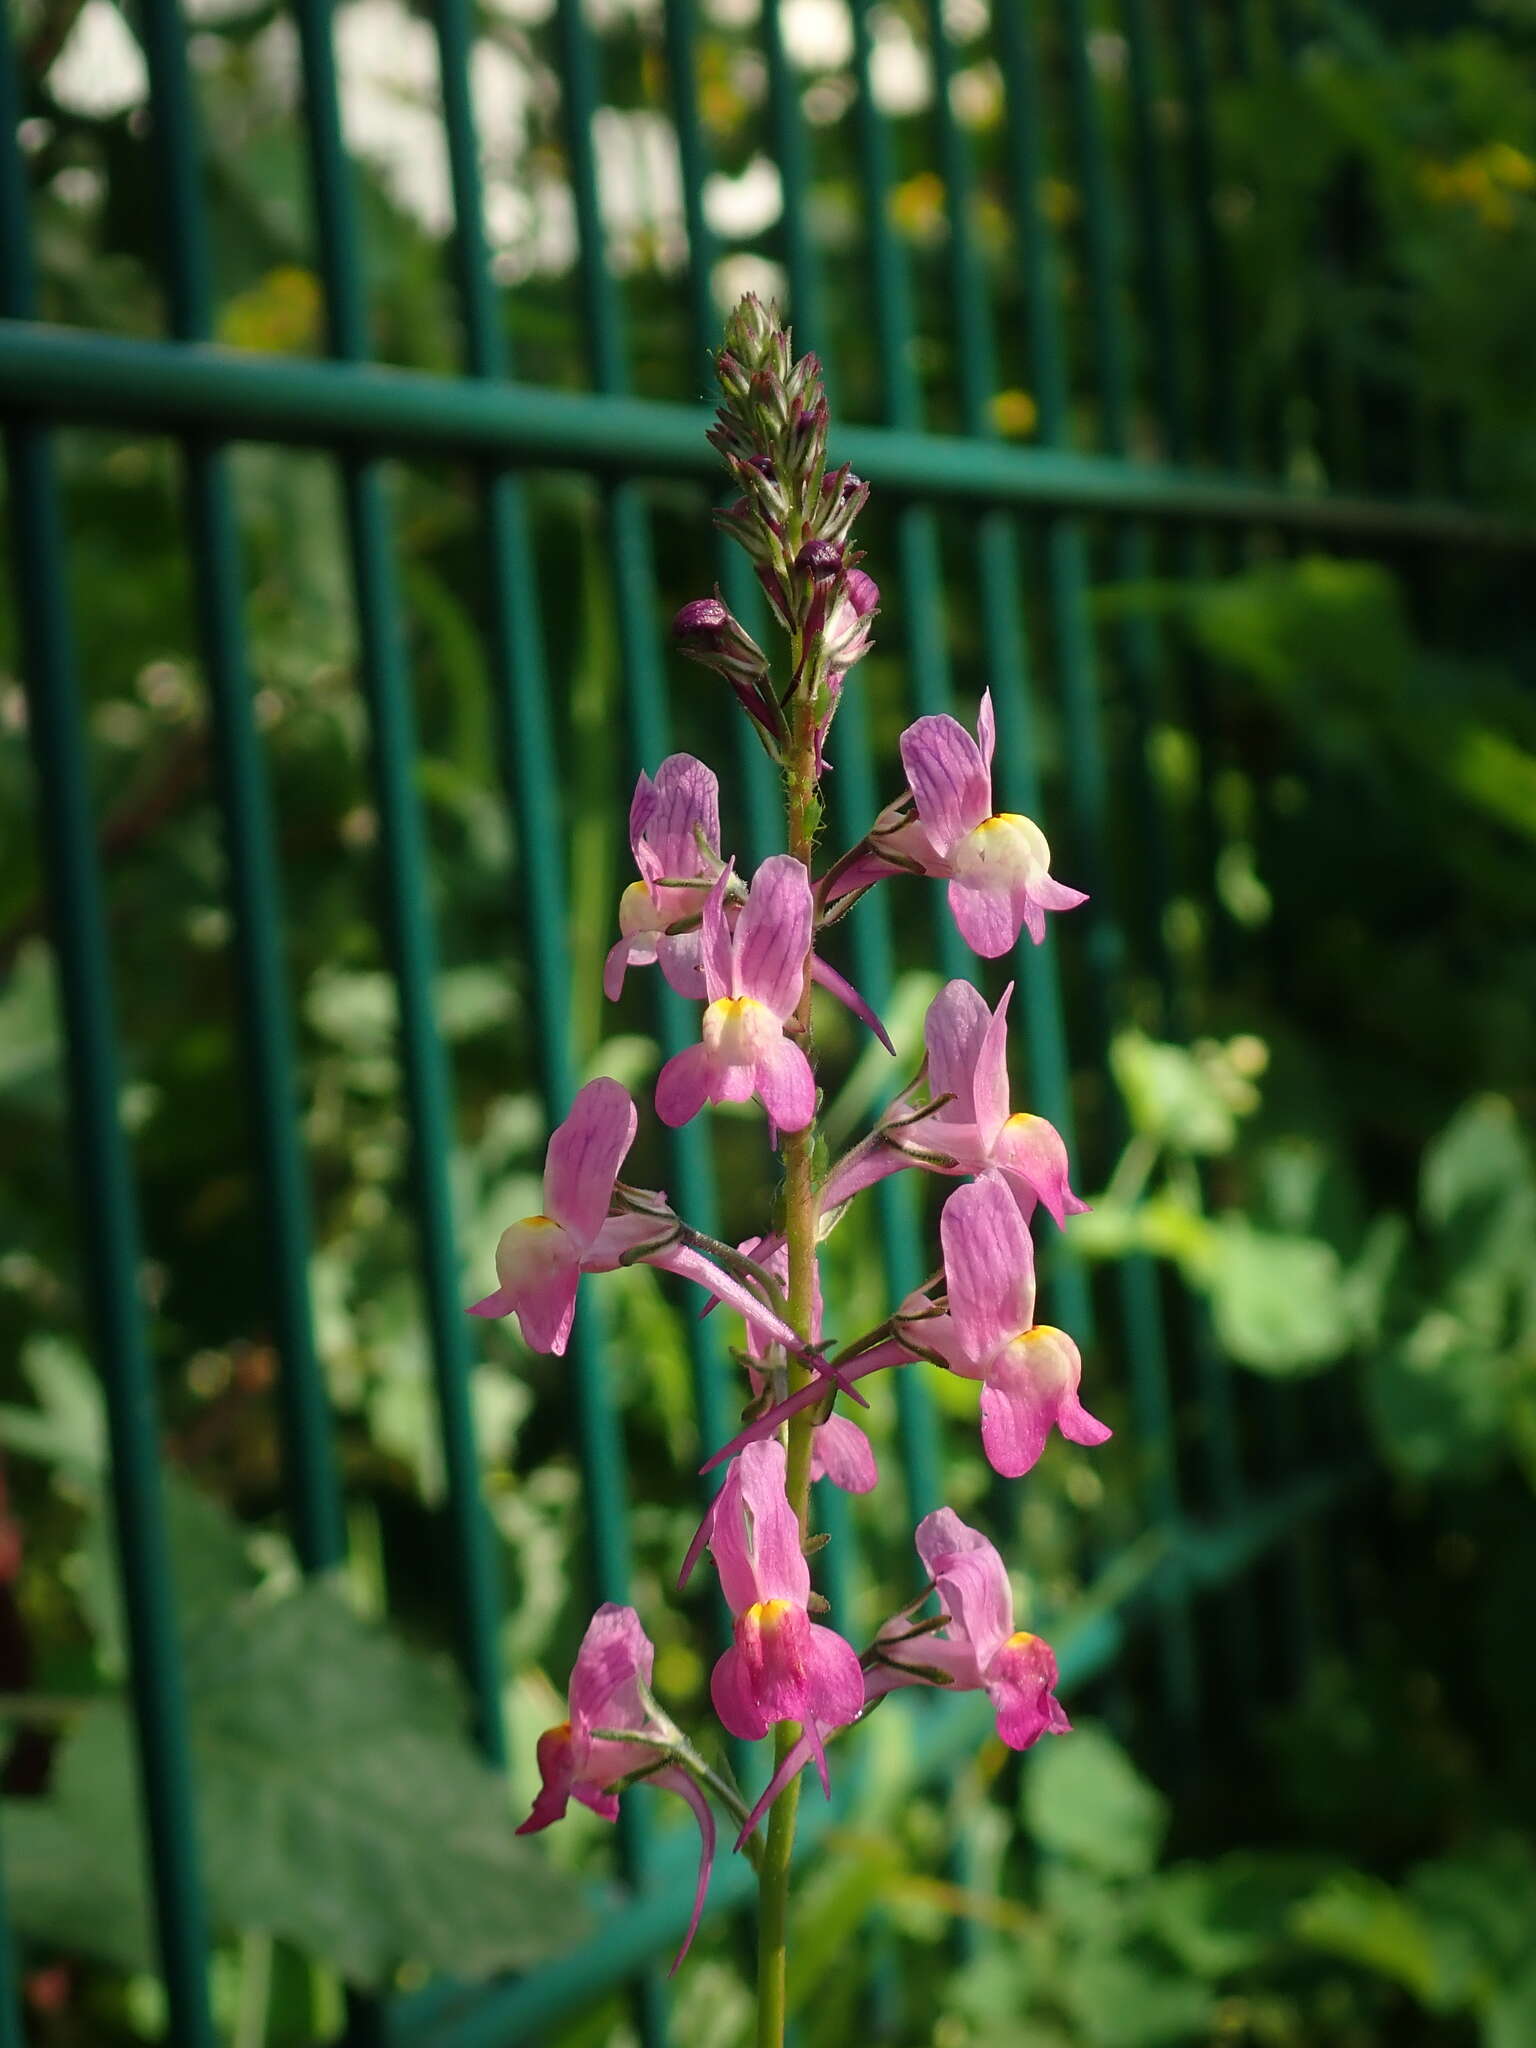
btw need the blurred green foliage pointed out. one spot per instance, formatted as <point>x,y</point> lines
<point>1323,1100</point>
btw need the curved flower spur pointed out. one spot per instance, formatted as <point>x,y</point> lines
<point>747,951</point>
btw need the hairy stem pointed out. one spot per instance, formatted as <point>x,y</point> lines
<point>800,1237</point>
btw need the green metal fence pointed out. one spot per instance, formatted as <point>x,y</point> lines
<point>1153,455</point>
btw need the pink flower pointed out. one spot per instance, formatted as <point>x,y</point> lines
<point>985,1330</point>
<point>1029,1372</point>
<point>998,864</point>
<point>539,1261</point>
<point>782,1665</point>
<point>610,1690</point>
<point>840,1450</point>
<point>977,1650</point>
<point>753,977</point>
<point>674,834</point>
<point>967,1060</point>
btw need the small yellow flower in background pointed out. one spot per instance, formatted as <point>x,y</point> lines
<point>1014,414</point>
<point>917,205</point>
<point>279,316</point>
<point>1486,179</point>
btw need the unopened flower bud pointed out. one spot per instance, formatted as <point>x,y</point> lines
<point>702,620</point>
<point>820,560</point>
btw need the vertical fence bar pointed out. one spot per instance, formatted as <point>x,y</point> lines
<point>530,776</point>
<point>108,1209</point>
<point>406,880</point>
<point>1138,648</point>
<point>1068,578</point>
<point>634,584</point>
<point>311,1473</point>
<point>1219,393</point>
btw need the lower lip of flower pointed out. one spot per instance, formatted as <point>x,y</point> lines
<point>639,911</point>
<point>768,1633</point>
<point>529,1250</point>
<point>1005,852</point>
<point>1032,1350</point>
<point>738,1030</point>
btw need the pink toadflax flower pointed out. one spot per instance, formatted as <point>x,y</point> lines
<point>840,1450</point>
<point>782,1665</point>
<point>753,977</point>
<point>674,834</point>
<point>539,1261</point>
<point>984,1331</point>
<point>978,1649</point>
<point>610,1691</point>
<point>967,1061</point>
<point>997,863</point>
<point>1029,1372</point>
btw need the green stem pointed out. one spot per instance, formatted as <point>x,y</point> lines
<point>800,1238</point>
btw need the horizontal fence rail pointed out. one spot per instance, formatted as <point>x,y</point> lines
<point>91,379</point>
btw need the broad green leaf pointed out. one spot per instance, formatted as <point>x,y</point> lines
<point>1479,1163</point>
<point>1487,1893</point>
<point>1222,1917</point>
<point>1367,1922</point>
<point>1134,1998</point>
<point>1509,2017</point>
<point>1437,1399</point>
<point>1280,1303</point>
<point>344,1808</point>
<point>340,1805</point>
<point>1174,1096</point>
<point>74,1878</point>
<point>1085,1799</point>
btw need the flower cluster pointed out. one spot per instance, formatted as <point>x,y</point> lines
<point>746,951</point>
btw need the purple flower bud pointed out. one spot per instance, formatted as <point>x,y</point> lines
<point>703,618</point>
<point>763,464</point>
<point>851,484</point>
<point>820,560</point>
<point>863,592</point>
